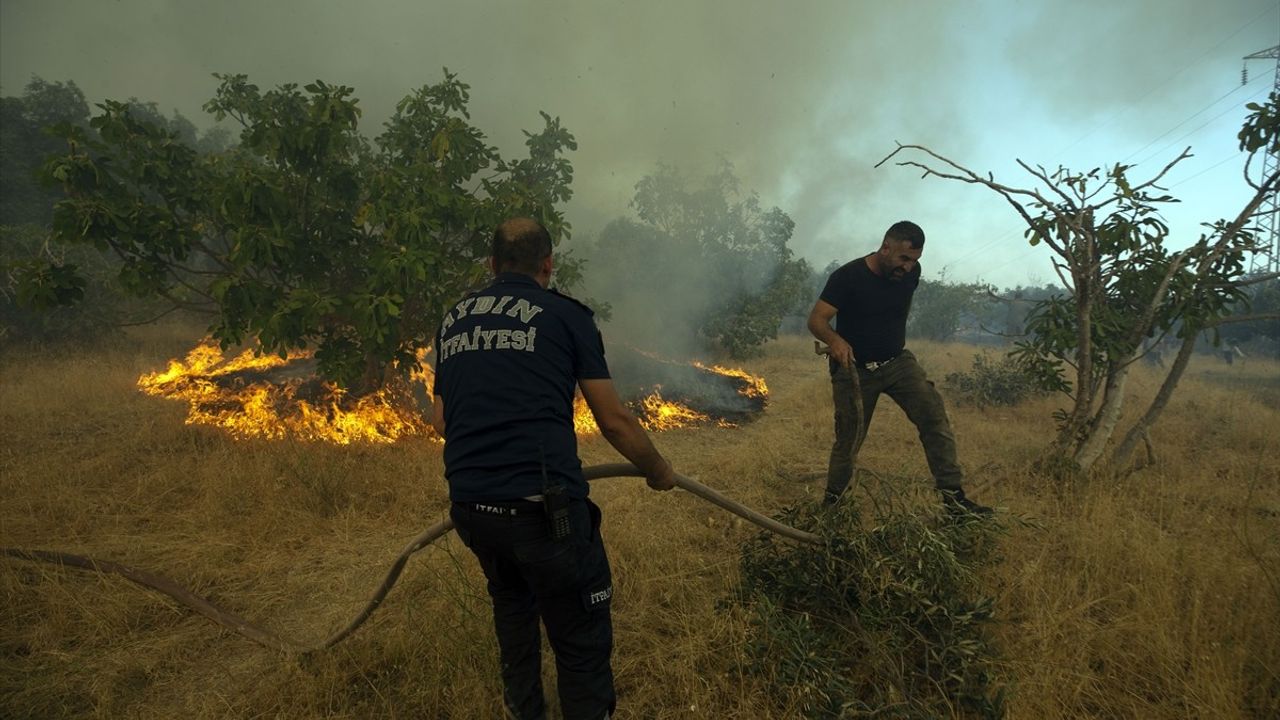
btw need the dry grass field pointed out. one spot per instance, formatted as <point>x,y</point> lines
<point>1155,596</point>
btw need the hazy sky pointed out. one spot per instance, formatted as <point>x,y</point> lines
<point>802,97</point>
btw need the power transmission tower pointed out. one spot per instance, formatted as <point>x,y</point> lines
<point>1267,261</point>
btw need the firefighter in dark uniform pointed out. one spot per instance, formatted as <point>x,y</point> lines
<point>508,359</point>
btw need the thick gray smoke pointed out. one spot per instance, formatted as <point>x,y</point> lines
<point>802,97</point>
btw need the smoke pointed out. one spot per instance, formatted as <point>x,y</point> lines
<point>803,98</point>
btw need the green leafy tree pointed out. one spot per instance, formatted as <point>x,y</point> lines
<point>1259,315</point>
<point>701,261</point>
<point>1124,284</point>
<point>75,300</point>
<point>939,307</point>
<point>307,234</point>
<point>214,140</point>
<point>24,144</point>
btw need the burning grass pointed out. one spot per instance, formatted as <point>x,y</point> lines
<point>244,397</point>
<point>1150,598</point>
<point>273,397</point>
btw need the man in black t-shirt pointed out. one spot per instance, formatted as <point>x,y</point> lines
<point>508,359</point>
<point>869,299</point>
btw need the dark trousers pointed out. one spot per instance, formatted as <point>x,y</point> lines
<point>566,583</point>
<point>903,380</point>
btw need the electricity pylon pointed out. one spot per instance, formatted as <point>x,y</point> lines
<point>1267,261</point>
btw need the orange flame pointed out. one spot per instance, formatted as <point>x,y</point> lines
<point>269,410</point>
<point>653,412</point>
<point>755,386</point>
<point>660,414</point>
<point>273,410</point>
<point>584,423</point>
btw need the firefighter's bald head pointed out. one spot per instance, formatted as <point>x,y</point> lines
<point>522,245</point>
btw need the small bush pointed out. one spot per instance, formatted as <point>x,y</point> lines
<point>95,319</point>
<point>1004,382</point>
<point>887,619</point>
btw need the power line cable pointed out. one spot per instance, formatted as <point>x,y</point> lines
<point>1201,56</point>
<point>1188,119</point>
<point>1215,118</point>
<point>1211,167</point>
<point>980,249</point>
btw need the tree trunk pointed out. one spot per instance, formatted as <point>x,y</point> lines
<point>373,378</point>
<point>1069,435</point>
<point>1125,450</point>
<point>1104,424</point>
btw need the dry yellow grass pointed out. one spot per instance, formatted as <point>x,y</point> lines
<point>1155,596</point>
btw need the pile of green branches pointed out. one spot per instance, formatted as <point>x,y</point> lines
<point>888,619</point>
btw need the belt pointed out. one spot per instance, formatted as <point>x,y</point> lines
<point>874,366</point>
<point>508,508</point>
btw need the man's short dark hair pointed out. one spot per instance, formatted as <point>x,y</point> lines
<point>905,231</point>
<point>520,245</point>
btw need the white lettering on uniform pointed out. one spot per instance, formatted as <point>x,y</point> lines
<point>497,309</point>
<point>525,310</point>
<point>497,339</point>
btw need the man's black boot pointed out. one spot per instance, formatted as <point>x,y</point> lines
<point>958,505</point>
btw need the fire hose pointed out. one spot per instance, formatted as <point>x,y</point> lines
<point>268,639</point>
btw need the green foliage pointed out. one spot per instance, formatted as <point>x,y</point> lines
<point>1260,129</point>
<point>1263,301</point>
<point>24,143</point>
<point>306,234</point>
<point>939,307</point>
<point>701,262</point>
<point>886,619</point>
<point>1125,285</point>
<point>211,141</point>
<point>1004,382</point>
<point>37,282</point>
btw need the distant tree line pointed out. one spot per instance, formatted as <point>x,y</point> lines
<point>36,312</point>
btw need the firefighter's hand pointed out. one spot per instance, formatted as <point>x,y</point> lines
<point>664,478</point>
<point>841,351</point>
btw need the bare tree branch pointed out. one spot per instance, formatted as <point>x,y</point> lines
<point>175,308</point>
<point>1041,174</point>
<point>968,176</point>
<point>1251,317</point>
<point>1257,279</point>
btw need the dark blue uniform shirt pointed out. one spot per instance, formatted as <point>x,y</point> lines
<point>508,359</point>
<point>871,311</point>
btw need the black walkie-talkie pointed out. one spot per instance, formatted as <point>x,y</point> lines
<point>555,501</point>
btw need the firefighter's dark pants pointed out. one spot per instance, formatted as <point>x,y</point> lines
<point>903,380</point>
<point>565,582</point>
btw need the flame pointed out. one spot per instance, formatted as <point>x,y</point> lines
<point>249,408</point>
<point>659,414</point>
<point>754,387</point>
<point>269,410</point>
<point>653,412</point>
<point>584,423</point>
